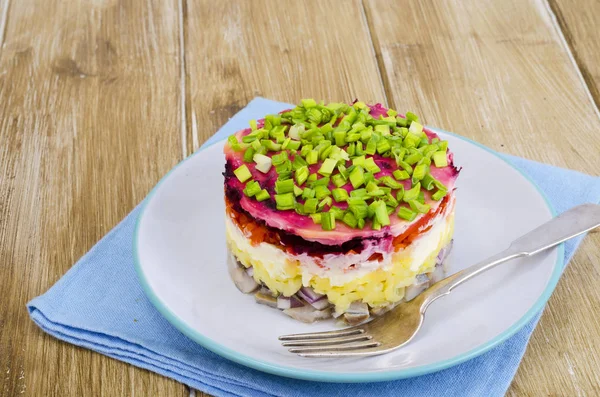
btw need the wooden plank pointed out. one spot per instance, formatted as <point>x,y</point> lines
<point>89,122</point>
<point>579,21</point>
<point>283,50</point>
<point>498,72</point>
<point>493,71</point>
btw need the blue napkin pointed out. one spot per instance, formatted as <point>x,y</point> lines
<point>100,305</point>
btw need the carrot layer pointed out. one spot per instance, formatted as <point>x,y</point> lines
<point>258,232</point>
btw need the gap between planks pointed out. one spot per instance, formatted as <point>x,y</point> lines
<point>3,22</point>
<point>383,77</point>
<point>182,81</point>
<point>566,38</point>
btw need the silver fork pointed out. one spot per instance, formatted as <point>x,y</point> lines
<point>399,326</point>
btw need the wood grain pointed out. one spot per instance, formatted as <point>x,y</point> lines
<point>89,122</point>
<point>499,72</point>
<point>579,23</point>
<point>101,97</point>
<point>493,71</point>
<point>234,56</point>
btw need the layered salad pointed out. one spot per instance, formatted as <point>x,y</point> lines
<point>337,210</point>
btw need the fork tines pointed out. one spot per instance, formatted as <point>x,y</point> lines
<point>346,342</point>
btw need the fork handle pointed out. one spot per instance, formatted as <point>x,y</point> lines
<point>567,225</point>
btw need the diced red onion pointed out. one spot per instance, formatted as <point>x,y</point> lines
<point>444,252</point>
<point>320,304</point>
<point>309,295</point>
<point>284,302</point>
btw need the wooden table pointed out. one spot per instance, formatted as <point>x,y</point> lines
<point>100,98</point>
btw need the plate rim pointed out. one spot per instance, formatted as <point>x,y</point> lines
<point>344,377</point>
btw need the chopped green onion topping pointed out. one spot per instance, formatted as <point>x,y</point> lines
<point>428,182</point>
<point>285,186</point>
<point>297,191</point>
<point>340,195</point>
<point>325,202</point>
<point>270,145</point>
<point>312,157</point>
<point>249,154</point>
<point>357,177</point>
<point>294,145</point>
<point>413,193</point>
<point>407,214</point>
<point>411,116</point>
<point>383,146</point>
<point>298,162</point>
<point>419,172</point>
<point>350,220</point>
<point>440,159</point>
<point>310,205</point>
<point>322,181</point>
<point>381,213</point>
<point>413,158</point>
<point>242,173</point>
<point>401,175</point>
<point>338,213</point>
<point>285,201</point>
<point>417,206</point>
<point>263,195</point>
<point>308,103</point>
<point>301,175</point>
<point>390,182</point>
<point>345,141</point>
<point>437,196</point>
<point>358,192</point>
<point>308,193</point>
<point>327,167</point>
<point>360,160</point>
<point>370,165</point>
<point>279,158</point>
<point>415,128</point>
<point>252,188</point>
<point>338,180</point>
<point>322,191</point>
<point>328,220</point>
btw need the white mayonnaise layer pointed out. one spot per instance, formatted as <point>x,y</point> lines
<point>341,269</point>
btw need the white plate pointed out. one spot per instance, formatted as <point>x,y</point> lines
<point>181,260</point>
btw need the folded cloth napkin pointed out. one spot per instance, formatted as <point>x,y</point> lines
<point>100,305</point>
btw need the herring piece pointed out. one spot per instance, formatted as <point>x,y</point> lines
<point>357,313</point>
<point>265,299</point>
<point>437,274</point>
<point>308,314</point>
<point>244,282</point>
<point>421,284</point>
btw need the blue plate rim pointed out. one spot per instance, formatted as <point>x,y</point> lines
<point>345,377</point>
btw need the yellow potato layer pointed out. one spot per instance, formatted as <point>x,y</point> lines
<point>380,287</point>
